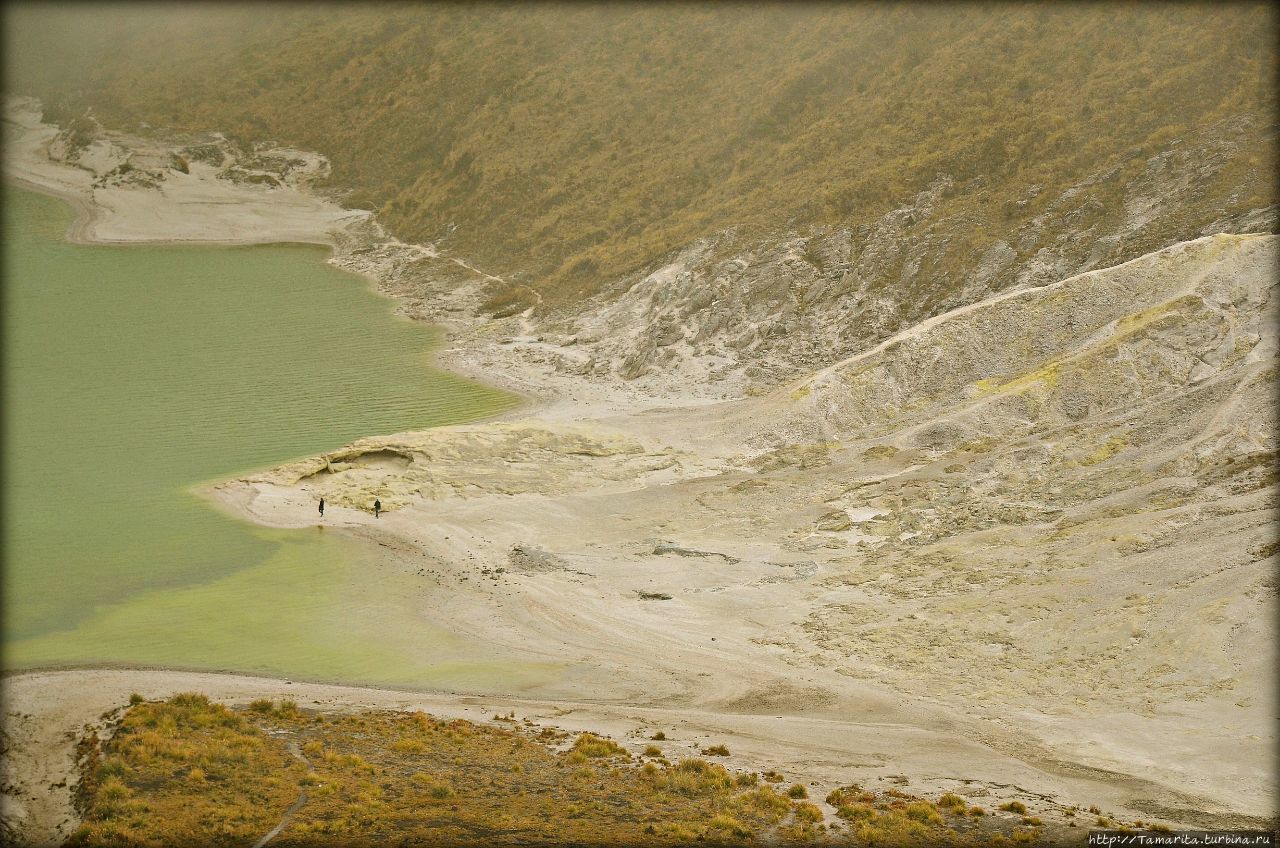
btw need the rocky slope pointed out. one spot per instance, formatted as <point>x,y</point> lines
<point>1050,512</point>
<point>1079,519</point>
<point>783,305</point>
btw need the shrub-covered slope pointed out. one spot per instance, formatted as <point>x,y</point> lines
<point>565,146</point>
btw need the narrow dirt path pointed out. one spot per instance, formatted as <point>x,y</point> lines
<point>296,753</point>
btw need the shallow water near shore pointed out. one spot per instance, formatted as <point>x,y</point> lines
<point>136,373</point>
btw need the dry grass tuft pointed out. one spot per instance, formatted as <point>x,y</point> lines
<point>807,811</point>
<point>593,747</point>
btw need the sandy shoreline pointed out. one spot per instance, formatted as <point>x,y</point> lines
<point>125,191</point>
<point>624,498</point>
<point>47,710</point>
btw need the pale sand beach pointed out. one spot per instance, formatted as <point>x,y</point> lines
<point>761,572</point>
<point>184,207</point>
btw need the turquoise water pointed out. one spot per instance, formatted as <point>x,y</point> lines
<point>133,374</point>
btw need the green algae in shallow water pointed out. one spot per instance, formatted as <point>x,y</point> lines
<point>308,610</point>
<point>134,373</point>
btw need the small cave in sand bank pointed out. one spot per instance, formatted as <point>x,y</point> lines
<point>379,458</point>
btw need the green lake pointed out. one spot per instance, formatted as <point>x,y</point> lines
<point>133,374</point>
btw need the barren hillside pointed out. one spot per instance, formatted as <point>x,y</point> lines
<point>1051,513</point>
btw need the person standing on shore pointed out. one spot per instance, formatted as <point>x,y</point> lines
<point>377,507</point>
<point>322,507</point>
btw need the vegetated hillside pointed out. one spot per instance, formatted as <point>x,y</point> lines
<point>564,146</point>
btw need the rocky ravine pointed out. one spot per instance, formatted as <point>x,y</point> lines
<point>1049,515</point>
